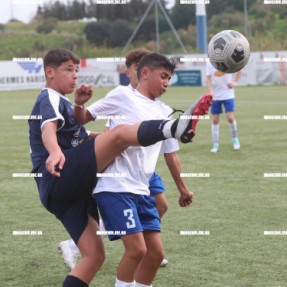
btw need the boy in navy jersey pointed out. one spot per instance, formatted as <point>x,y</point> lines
<point>68,157</point>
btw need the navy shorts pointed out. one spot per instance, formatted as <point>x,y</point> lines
<point>125,213</point>
<point>69,197</point>
<point>216,107</point>
<point>156,184</point>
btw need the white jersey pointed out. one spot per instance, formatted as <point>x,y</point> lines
<point>219,83</point>
<point>168,145</point>
<point>131,170</point>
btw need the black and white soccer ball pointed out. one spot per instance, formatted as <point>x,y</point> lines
<point>228,51</point>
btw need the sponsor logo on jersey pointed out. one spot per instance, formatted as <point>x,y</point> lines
<point>219,74</point>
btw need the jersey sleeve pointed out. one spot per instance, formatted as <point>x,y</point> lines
<point>108,106</point>
<point>169,146</point>
<point>50,110</point>
<point>108,124</point>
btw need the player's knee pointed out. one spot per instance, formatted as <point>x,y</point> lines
<point>230,119</point>
<point>162,208</point>
<point>96,256</point>
<point>157,255</point>
<point>137,253</point>
<point>165,206</point>
<point>215,120</point>
<point>95,252</point>
<point>118,133</point>
<point>99,257</point>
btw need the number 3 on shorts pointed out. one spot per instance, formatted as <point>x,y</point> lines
<point>130,215</point>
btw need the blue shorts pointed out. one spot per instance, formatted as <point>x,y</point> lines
<point>216,107</point>
<point>126,213</point>
<point>156,184</point>
<point>69,197</point>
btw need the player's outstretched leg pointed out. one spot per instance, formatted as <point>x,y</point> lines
<point>112,143</point>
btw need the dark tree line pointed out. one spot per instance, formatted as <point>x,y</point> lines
<point>78,9</point>
<point>115,23</point>
<point>181,15</point>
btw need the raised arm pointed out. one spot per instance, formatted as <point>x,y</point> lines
<point>81,96</point>
<point>173,163</point>
<point>208,84</point>
<point>236,79</point>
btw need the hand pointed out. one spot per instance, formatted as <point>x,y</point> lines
<point>211,93</point>
<point>185,199</point>
<point>53,160</point>
<point>231,85</point>
<point>83,94</point>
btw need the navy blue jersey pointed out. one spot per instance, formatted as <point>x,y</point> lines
<point>51,106</point>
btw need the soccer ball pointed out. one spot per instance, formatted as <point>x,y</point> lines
<point>228,51</point>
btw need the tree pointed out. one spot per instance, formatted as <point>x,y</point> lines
<point>183,15</point>
<point>56,10</point>
<point>119,33</point>
<point>76,10</point>
<point>47,26</point>
<point>98,32</point>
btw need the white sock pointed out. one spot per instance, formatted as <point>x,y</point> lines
<point>73,245</point>
<point>142,285</point>
<point>167,129</point>
<point>233,129</point>
<point>120,283</point>
<point>215,133</point>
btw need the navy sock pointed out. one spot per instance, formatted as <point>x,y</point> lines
<point>150,132</point>
<point>72,281</point>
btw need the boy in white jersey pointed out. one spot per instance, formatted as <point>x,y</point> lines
<point>221,86</point>
<point>124,202</point>
<point>67,248</point>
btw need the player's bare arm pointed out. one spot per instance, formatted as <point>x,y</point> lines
<point>236,79</point>
<point>81,96</point>
<point>56,157</point>
<point>173,163</point>
<point>208,84</point>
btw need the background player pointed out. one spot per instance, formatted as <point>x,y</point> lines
<point>124,202</point>
<point>221,86</point>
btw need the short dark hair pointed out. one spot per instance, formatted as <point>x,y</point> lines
<point>134,56</point>
<point>55,57</point>
<point>154,61</point>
